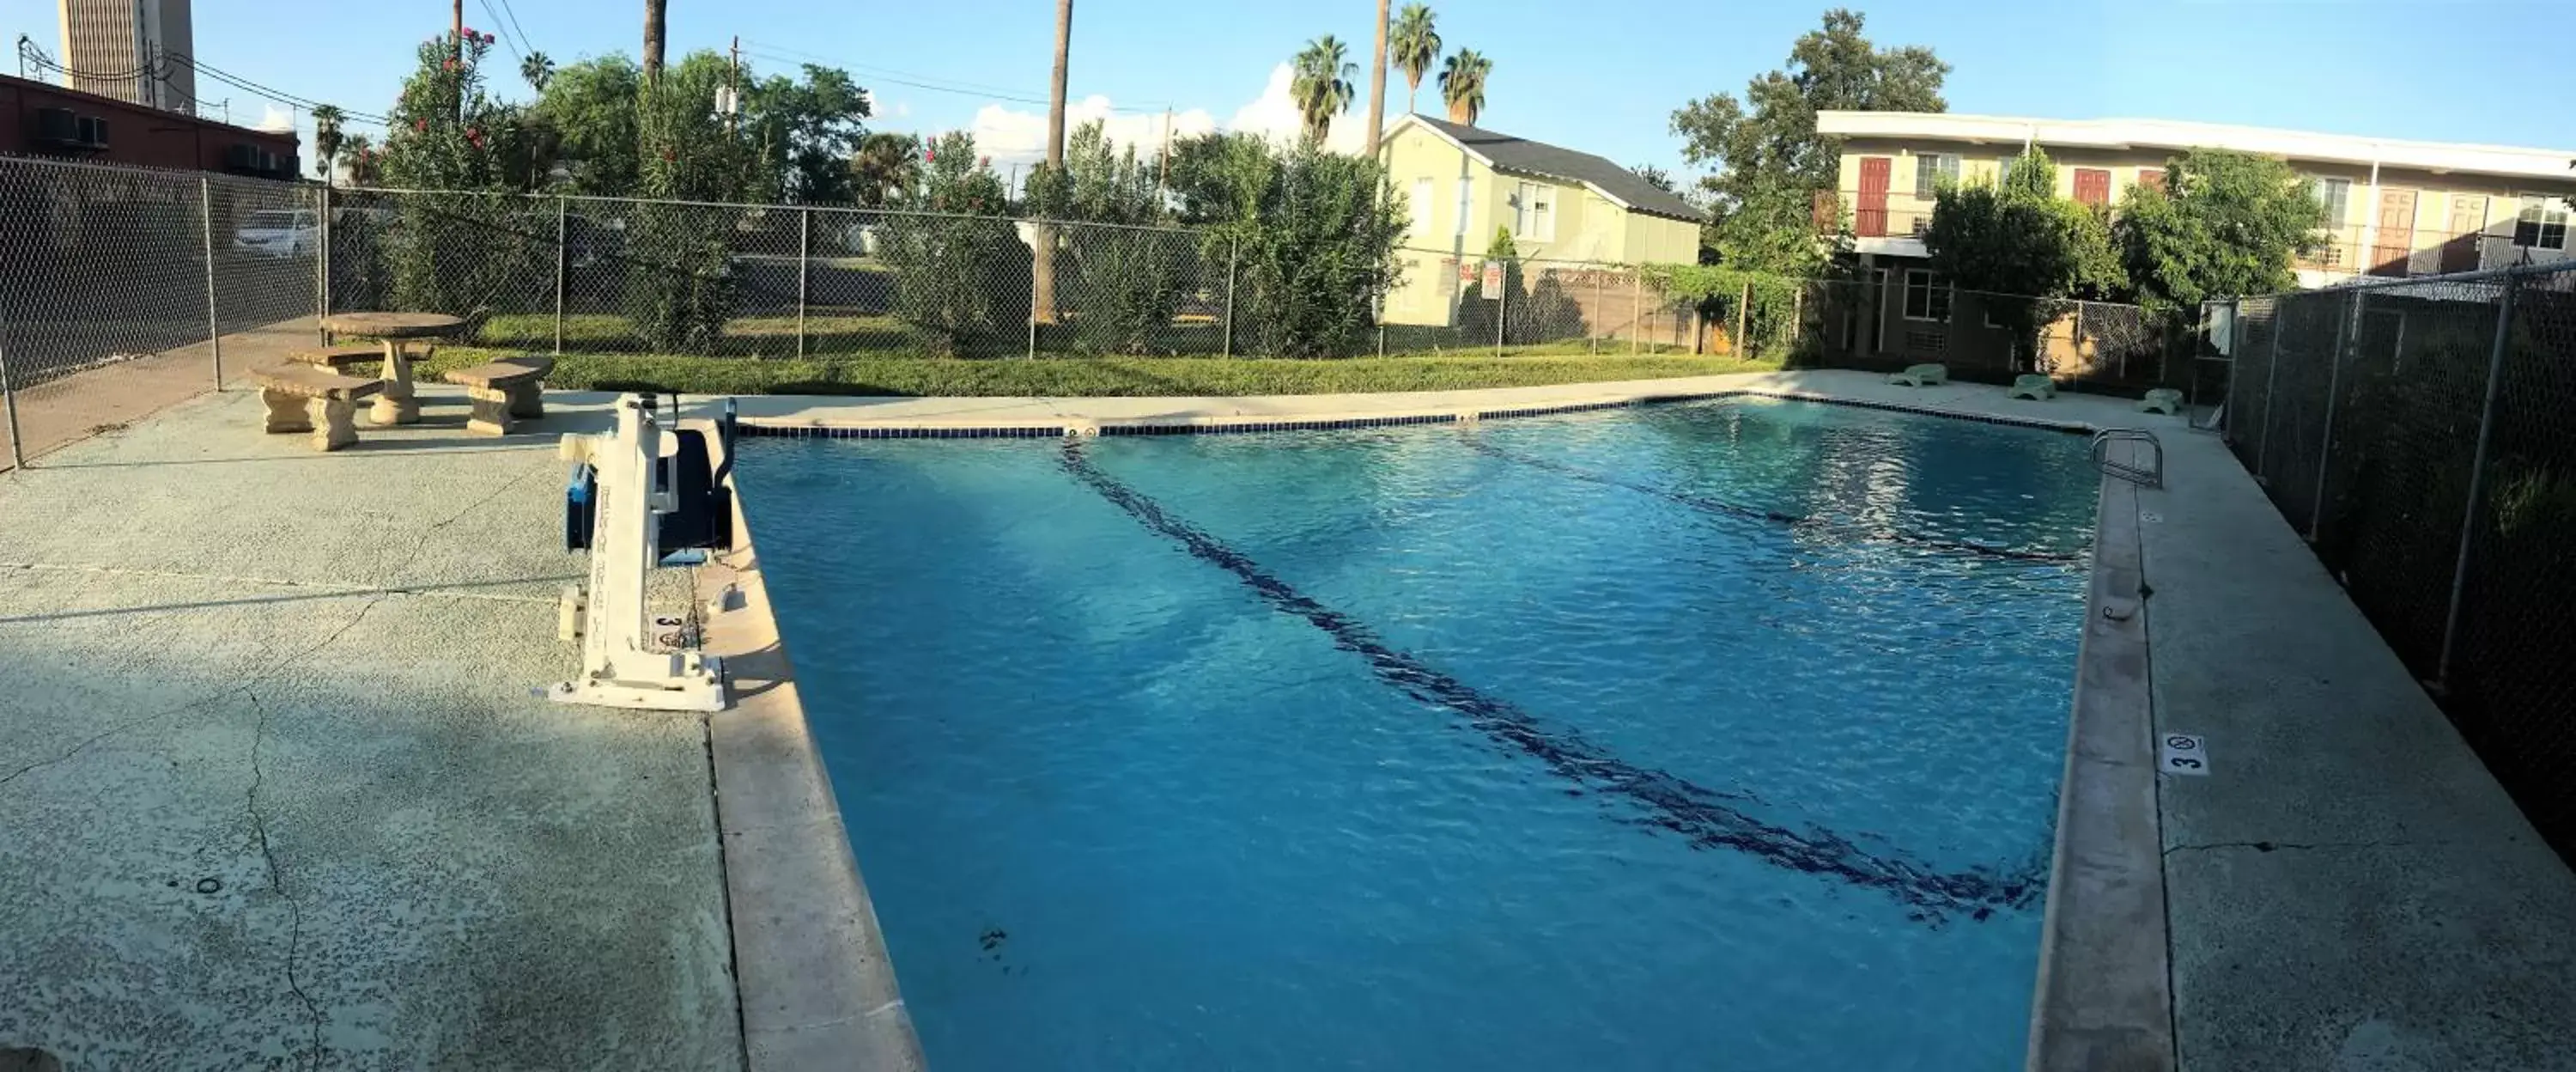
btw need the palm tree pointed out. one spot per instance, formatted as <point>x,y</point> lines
<point>1416,47</point>
<point>1322,87</point>
<point>1377,83</point>
<point>1042,270</point>
<point>326,138</point>
<point>362,159</point>
<point>654,11</point>
<point>886,168</point>
<point>1462,85</point>
<point>537,69</point>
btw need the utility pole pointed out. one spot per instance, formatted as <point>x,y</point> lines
<point>733,90</point>
<point>1163,172</point>
<point>460,35</point>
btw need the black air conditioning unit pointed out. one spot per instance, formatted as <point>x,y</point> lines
<point>93,132</point>
<point>289,166</point>
<point>57,126</point>
<point>241,158</point>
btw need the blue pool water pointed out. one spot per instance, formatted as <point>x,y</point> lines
<point>1705,735</point>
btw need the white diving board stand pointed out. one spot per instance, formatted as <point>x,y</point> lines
<point>621,666</point>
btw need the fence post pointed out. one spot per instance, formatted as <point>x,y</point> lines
<point>1744,323</point>
<point>1231,246</point>
<point>2347,332</point>
<point>2271,376</point>
<point>2477,478</point>
<point>2237,330</point>
<point>804,262</point>
<point>323,284</point>
<point>1046,238</point>
<point>1797,315</point>
<point>214,330</point>
<point>563,211</point>
<point>1636,308</point>
<point>9,399</point>
<point>1502,308</point>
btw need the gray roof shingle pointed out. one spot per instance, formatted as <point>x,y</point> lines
<point>1538,158</point>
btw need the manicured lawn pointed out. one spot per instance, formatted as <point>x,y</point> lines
<point>1099,376</point>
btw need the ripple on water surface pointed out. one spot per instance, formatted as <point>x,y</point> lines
<point>1706,735</point>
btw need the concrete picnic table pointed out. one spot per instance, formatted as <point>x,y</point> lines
<point>397,404</point>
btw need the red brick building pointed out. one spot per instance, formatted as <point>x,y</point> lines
<point>37,119</point>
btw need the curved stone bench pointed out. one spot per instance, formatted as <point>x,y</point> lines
<point>312,398</point>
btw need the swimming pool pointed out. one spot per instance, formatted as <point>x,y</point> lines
<point>1719,734</point>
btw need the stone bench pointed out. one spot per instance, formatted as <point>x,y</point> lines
<point>312,398</point>
<point>504,390</point>
<point>1920,376</point>
<point>338,358</point>
<point>2165,400</point>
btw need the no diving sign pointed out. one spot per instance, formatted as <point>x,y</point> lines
<point>2182,753</point>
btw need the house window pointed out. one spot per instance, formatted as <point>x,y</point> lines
<point>2092,186</point>
<point>1466,200</point>
<point>2542,224</point>
<point>2152,178</point>
<point>1534,212</point>
<point>2336,196</point>
<point>1931,170</point>
<point>1926,296</point>
<point>1421,208</point>
<point>2003,167</point>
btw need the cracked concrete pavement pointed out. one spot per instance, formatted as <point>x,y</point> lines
<point>279,795</point>
<point>2347,888</point>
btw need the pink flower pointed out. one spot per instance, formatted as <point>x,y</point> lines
<point>929,155</point>
<point>420,125</point>
<point>983,161</point>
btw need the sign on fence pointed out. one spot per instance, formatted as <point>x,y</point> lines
<point>1493,277</point>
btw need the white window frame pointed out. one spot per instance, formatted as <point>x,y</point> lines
<point>1466,203</point>
<point>2547,205</point>
<point>1534,211</point>
<point>1935,291</point>
<point>1942,166</point>
<point>2003,168</point>
<point>1423,209</point>
<point>2339,208</point>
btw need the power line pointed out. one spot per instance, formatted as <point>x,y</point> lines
<point>926,81</point>
<point>522,31</point>
<point>501,29</point>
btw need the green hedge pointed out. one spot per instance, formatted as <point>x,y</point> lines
<point>1094,376</point>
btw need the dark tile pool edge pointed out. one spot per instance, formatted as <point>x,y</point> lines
<point>811,973</point>
<point>770,428</point>
<point>2104,995</point>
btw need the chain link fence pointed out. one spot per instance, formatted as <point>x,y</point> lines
<point>123,290</point>
<point>2418,434</point>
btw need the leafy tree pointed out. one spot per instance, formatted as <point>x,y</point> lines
<point>2021,245</point>
<point>1415,45</point>
<point>1462,85</point>
<point>885,169</point>
<point>591,109</point>
<point>1656,177</point>
<point>807,128</point>
<point>1770,161</point>
<point>1124,280</point>
<point>680,289</point>
<point>365,164</point>
<point>326,139</point>
<point>1322,86</point>
<point>962,277</point>
<point>465,249</point>
<point>536,68</point>
<point>1312,243</point>
<point>2226,224</point>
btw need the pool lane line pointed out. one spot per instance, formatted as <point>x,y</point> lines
<point>1805,522</point>
<point>1695,812</point>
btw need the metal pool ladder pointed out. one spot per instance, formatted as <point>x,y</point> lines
<point>2153,475</point>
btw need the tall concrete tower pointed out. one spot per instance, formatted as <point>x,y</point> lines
<point>134,50</point>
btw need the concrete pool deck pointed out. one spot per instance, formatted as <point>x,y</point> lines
<point>280,794</point>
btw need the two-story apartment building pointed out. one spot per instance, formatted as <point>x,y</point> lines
<point>2394,208</point>
<point>1461,183</point>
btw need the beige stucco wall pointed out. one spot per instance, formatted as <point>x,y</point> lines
<point>1588,227</point>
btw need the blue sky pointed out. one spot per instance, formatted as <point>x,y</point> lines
<point>1605,82</point>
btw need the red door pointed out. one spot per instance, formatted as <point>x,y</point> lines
<point>1869,220</point>
<point>2092,186</point>
<point>2468,222</point>
<point>2396,241</point>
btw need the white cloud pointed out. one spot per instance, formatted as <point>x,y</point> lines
<point>275,120</point>
<point>1015,135</point>
<point>902,109</point>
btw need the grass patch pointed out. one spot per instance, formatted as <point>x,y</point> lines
<point>595,331</point>
<point>1094,376</point>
